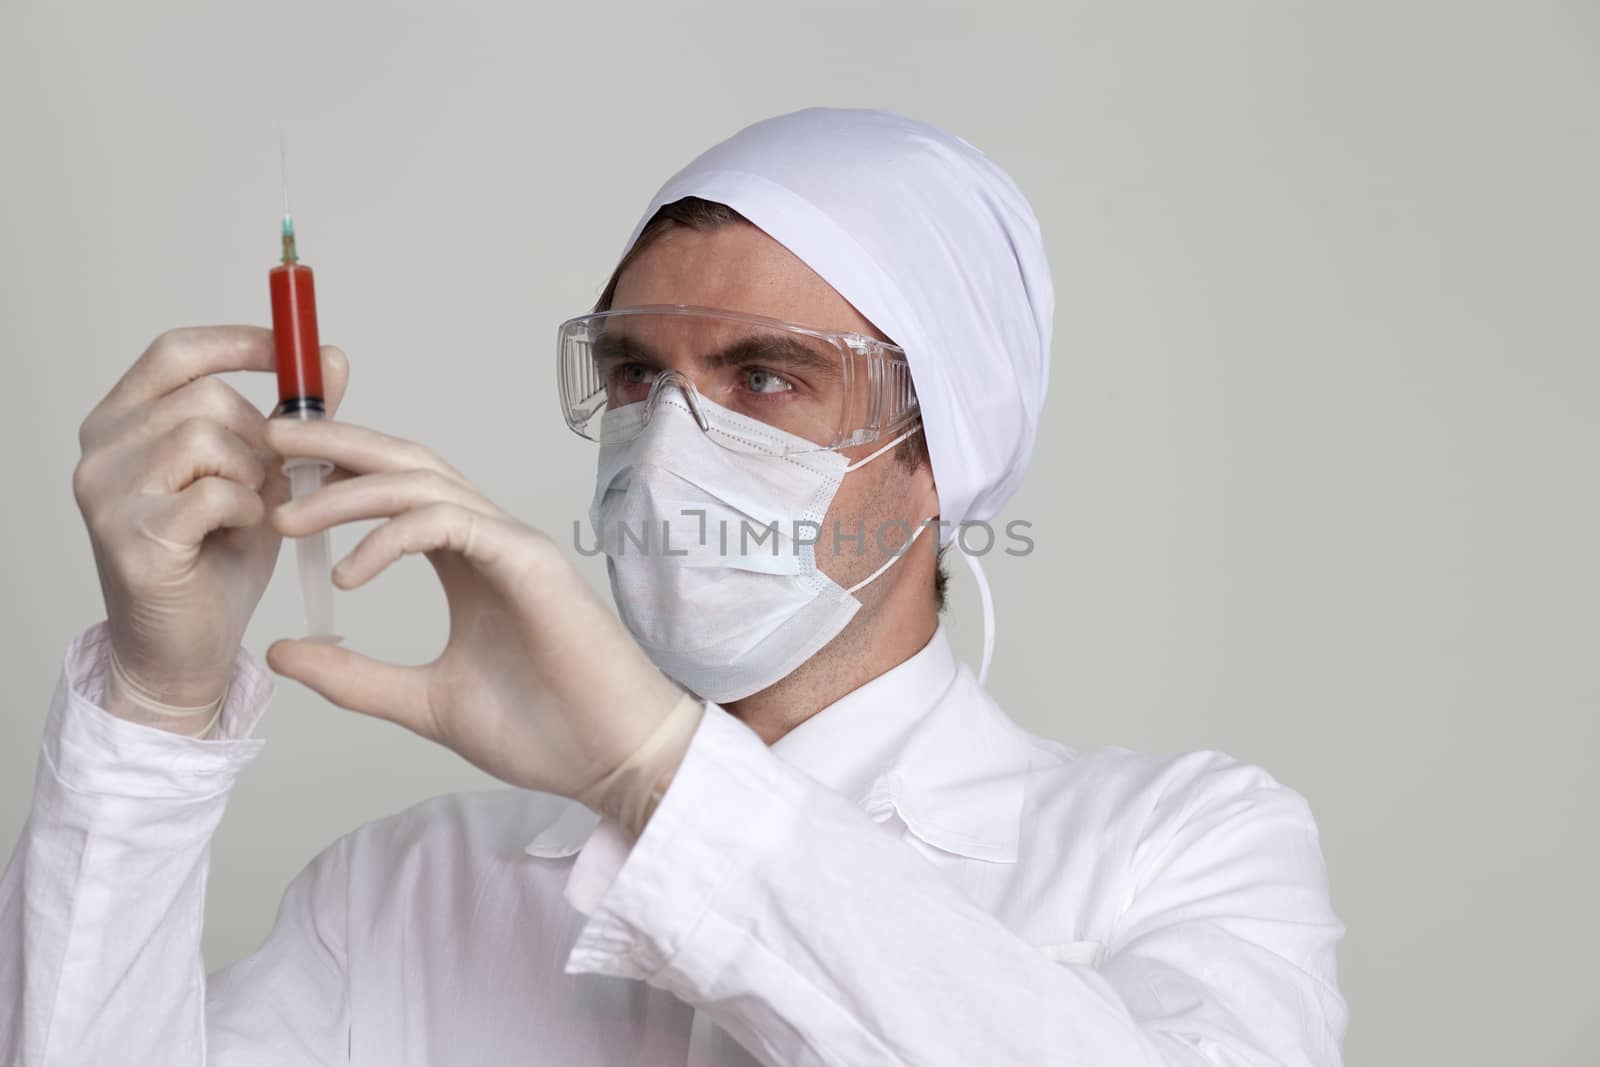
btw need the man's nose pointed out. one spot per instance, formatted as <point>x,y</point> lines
<point>685,385</point>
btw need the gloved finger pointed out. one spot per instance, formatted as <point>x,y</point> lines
<point>209,398</point>
<point>355,448</point>
<point>180,356</point>
<point>349,679</point>
<point>483,539</point>
<point>182,520</point>
<point>335,377</point>
<point>373,496</point>
<point>200,446</point>
<point>212,398</point>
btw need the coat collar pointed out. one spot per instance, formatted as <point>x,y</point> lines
<point>922,741</point>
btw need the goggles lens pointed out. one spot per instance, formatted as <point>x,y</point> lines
<point>825,389</point>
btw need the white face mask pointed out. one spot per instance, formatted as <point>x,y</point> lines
<point>709,543</point>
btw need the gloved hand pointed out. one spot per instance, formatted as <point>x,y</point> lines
<point>539,684</point>
<point>173,483</point>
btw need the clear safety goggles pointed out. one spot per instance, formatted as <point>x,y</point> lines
<point>825,389</point>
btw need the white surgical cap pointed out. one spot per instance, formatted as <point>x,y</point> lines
<point>935,245</point>
<point>931,242</point>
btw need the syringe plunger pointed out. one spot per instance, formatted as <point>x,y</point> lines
<point>312,552</point>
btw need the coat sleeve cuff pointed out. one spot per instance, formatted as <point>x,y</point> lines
<point>90,750</point>
<point>730,802</point>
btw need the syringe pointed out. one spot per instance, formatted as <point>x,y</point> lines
<point>294,330</point>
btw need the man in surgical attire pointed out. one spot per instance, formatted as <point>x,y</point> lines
<point>766,816</point>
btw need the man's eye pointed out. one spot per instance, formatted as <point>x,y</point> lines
<point>632,374</point>
<point>764,381</point>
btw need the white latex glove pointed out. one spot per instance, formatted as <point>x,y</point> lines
<point>174,482</point>
<point>539,684</point>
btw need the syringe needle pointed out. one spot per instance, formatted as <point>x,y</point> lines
<point>290,254</point>
<point>283,163</point>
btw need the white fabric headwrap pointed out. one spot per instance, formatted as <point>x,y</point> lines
<point>935,245</point>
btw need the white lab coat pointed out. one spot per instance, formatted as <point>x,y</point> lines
<point>907,878</point>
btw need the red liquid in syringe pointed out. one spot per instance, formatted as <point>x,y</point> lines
<point>294,331</point>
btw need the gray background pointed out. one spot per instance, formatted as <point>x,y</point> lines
<point>1315,484</point>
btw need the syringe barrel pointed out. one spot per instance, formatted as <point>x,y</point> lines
<point>294,330</point>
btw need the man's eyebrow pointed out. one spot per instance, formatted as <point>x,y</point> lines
<point>752,349</point>
<point>612,345</point>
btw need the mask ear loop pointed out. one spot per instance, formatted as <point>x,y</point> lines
<point>984,594</point>
<point>890,562</point>
<point>864,460</point>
